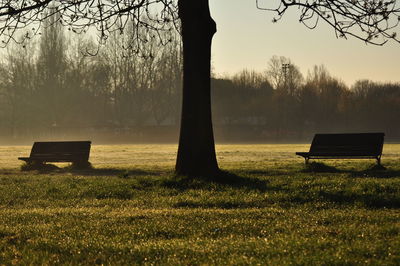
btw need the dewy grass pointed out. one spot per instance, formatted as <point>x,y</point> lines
<point>131,209</point>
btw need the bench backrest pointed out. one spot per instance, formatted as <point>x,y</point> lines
<point>63,150</point>
<point>361,144</point>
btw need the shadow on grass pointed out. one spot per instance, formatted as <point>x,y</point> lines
<point>220,179</point>
<point>258,172</point>
<point>121,173</point>
<point>40,167</point>
<point>316,167</point>
<point>85,169</point>
<point>372,195</point>
<point>375,170</point>
<point>47,167</point>
<point>220,204</point>
<point>373,199</point>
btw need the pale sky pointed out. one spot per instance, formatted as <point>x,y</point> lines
<point>247,38</point>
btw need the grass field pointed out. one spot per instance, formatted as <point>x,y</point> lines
<point>131,209</point>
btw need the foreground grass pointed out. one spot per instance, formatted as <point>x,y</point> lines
<point>268,209</point>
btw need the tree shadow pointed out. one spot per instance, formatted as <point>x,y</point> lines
<point>376,200</point>
<point>221,179</point>
<point>215,205</point>
<point>272,172</point>
<point>121,173</point>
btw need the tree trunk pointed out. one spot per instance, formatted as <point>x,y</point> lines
<point>196,152</point>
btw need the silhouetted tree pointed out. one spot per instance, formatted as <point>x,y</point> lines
<point>18,91</point>
<point>130,77</point>
<point>284,75</point>
<point>253,91</point>
<point>50,67</point>
<point>224,107</point>
<point>366,20</point>
<point>81,98</point>
<point>377,102</point>
<point>167,82</point>
<point>325,95</point>
<point>287,80</point>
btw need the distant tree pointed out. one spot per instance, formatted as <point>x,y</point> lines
<point>376,106</point>
<point>167,82</point>
<point>130,78</point>
<point>18,78</point>
<point>224,107</point>
<point>80,97</point>
<point>253,92</point>
<point>369,20</point>
<point>287,80</point>
<point>247,90</point>
<point>51,67</point>
<point>284,75</point>
<point>327,92</point>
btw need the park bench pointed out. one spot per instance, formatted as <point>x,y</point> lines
<point>59,151</point>
<point>345,146</point>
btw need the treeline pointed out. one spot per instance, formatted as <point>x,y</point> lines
<point>282,105</point>
<point>54,87</point>
<point>63,83</point>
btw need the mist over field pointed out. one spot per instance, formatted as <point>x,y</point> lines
<point>52,89</point>
<point>161,157</point>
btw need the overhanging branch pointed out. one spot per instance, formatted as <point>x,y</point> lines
<point>372,21</point>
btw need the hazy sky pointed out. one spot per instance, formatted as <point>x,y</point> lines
<point>247,38</point>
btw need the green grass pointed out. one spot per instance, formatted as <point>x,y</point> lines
<point>131,209</point>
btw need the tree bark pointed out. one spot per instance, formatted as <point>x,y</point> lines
<point>196,151</point>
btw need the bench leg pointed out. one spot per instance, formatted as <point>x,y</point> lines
<point>378,160</point>
<point>35,163</point>
<point>81,164</point>
<point>306,159</point>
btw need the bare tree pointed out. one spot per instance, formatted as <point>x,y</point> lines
<point>51,65</point>
<point>328,92</point>
<point>130,77</point>
<point>284,75</point>
<point>167,81</point>
<point>370,20</point>
<point>287,80</point>
<point>19,83</point>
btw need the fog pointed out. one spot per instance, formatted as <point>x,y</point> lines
<point>51,89</point>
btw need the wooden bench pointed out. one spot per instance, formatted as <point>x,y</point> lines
<point>59,151</point>
<point>345,146</point>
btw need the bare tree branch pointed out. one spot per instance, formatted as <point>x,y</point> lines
<point>106,16</point>
<point>372,21</point>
